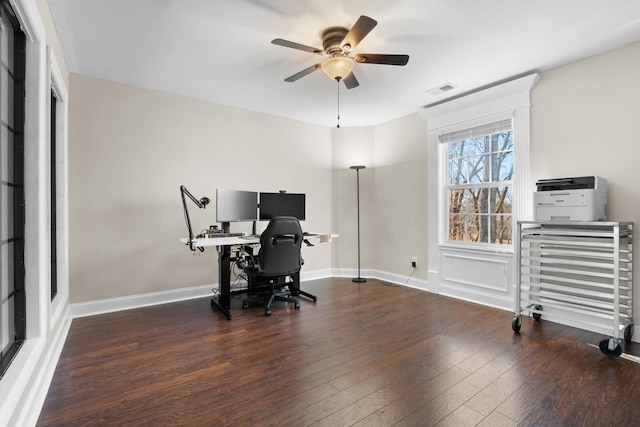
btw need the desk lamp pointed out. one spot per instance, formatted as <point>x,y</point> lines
<point>357,169</point>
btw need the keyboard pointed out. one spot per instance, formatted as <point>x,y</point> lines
<point>214,235</point>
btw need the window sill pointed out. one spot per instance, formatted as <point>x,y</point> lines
<point>500,250</point>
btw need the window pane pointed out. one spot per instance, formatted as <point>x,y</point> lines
<point>477,169</point>
<point>477,228</point>
<point>458,171</point>
<point>478,145</point>
<point>457,228</point>
<point>478,202</point>
<point>502,224</point>
<point>457,149</point>
<point>502,166</point>
<point>457,202</point>
<point>501,199</point>
<point>502,141</point>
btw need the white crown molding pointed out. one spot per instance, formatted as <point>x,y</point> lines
<point>493,100</point>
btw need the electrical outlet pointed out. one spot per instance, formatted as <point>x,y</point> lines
<point>414,261</point>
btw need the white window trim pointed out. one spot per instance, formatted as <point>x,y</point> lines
<point>58,86</point>
<point>510,99</point>
<point>24,386</point>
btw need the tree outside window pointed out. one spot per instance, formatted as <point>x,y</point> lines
<point>480,189</point>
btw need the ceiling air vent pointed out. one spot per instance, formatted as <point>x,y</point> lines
<point>441,89</point>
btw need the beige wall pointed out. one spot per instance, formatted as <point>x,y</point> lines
<point>584,121</point>
<point>393,196</point>
<point>130,149</point>
<point>351,147</point>
<point>400,196</point>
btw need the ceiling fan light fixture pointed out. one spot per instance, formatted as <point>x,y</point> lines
<point>338,67</point>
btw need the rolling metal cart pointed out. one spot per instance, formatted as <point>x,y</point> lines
<point>578,274</point>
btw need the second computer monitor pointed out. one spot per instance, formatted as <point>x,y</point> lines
<point>282,204</point>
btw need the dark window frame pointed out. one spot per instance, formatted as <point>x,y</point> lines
<point>16,71</point>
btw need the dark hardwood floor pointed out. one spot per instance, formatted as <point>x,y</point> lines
<point>368,354</point>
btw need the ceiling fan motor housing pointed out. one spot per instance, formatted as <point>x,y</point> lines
<point>331,40</point>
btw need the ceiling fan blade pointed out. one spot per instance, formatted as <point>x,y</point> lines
<point>350,81</point>
<point>301,74</point>
<point>377,58</point>
<point>360,29</point>
<point>294,45</point>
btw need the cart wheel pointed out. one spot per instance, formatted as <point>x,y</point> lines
<point>537,316</point>
<point>297,306</point>
<point>245,305</point>
<point>516,323</point>
<point>610,347</point>
<point>628,332</point>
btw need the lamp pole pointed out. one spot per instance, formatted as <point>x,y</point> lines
<point>357,169</point>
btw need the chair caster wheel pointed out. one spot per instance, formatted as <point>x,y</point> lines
<point>245,305</point>
<point>297,306</point>
<point>267,312</point>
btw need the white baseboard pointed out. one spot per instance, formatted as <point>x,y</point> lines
<point>316,274</point>
<point>409,281</point>
<point>155,298</point>
<point>109,305</point>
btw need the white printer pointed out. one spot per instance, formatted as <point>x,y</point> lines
<point>573,199</point>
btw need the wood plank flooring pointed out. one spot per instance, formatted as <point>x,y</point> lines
<point>370,354</point>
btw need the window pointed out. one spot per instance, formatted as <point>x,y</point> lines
<point>480,184</point>
<point>12,273</point>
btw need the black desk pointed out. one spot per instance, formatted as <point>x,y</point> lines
<point>224,246</point>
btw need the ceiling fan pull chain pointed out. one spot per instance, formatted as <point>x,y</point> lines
<point>338,103</point>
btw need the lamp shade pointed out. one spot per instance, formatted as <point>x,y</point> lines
<point>338,67</point>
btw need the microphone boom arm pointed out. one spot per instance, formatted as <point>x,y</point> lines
<point>202,204</point>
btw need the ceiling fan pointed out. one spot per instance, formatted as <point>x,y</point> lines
<point>337,43</point>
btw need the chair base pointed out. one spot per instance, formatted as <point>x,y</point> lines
<point>284,296</point>
<point>312,297</point>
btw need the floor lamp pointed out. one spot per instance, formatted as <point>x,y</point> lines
<point>357,169</point>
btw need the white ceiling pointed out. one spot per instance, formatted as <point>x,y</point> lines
<point>221,51</point>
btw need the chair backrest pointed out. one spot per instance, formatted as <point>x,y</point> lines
<point>280,244</point>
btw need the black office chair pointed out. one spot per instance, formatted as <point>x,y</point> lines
<point>279,257</point>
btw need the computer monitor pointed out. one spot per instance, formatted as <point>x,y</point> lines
<point>236,205</point>
<point>282,204</point>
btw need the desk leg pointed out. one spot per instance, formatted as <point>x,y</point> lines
<point>223,303</point>
<point>295,288</point>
